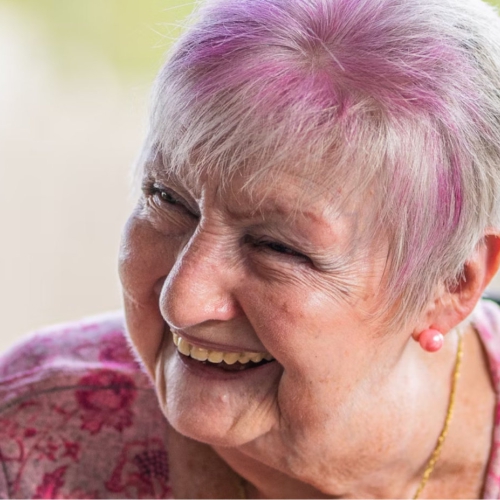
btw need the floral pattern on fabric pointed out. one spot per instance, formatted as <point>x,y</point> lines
<point>486,319</point>
<point>110,407</point>
<point>51,484</point>
<point>78,417</point>
<point>139,470</point>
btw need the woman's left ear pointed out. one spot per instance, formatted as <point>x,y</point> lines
<point>453,305</point>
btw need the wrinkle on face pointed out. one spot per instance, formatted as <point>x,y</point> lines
<point>312,312</point>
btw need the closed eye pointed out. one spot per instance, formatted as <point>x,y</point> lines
<point>265,244</point>
<point>280,248</point>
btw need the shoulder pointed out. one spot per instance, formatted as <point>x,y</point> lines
<point>486,320</point>
<point>78,416</point>
<point>74,344</point>
<point>90,354</point>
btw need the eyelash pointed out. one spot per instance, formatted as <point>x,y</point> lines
<point>153,190</point>
<point>265,244</point>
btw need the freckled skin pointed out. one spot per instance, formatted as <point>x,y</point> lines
<point>345,410</point>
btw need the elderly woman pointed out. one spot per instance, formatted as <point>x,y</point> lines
<point>319,218</point>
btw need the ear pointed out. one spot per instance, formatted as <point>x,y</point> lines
<point>451,306</point>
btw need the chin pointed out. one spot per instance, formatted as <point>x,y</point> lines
<point>215,433</point>
<point>216,411</point>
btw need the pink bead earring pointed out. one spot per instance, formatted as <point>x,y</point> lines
<point>431,340</point>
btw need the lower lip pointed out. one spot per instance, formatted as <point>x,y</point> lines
<point>209,371</point>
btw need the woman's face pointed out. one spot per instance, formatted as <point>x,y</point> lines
<point>271,272</point>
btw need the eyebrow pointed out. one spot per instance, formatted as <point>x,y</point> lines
<point>274,208</point>
<point>153,171</point>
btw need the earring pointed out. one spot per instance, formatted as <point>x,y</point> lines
<point>431,340</point>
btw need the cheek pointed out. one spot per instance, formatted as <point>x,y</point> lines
<point>146,257</point>
<point>324,344</point>
<point>299,323</point>
<point>145,260</point>
<point>326,349</point>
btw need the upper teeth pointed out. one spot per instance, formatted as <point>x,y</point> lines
<point>212,356</point>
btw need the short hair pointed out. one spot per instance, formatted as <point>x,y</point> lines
<point>400,98</point>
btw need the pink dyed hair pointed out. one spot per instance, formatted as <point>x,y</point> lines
<point>400,97</point>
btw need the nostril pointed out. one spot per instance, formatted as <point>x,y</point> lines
<point>158,286</point>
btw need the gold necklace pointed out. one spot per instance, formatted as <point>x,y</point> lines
<point>437,450</point>
<point>439,445</point>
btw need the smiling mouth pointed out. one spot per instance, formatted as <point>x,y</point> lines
<point>229,361</point>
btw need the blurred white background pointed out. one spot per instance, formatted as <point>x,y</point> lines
<point>74,82</point>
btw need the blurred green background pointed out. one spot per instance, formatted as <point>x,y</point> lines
<point>130,35</point>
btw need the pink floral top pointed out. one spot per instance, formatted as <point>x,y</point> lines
<point>79,419</point>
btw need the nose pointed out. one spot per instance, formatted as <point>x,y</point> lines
<point>199,287</point>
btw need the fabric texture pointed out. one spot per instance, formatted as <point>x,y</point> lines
<point>79,419</point>
<point>486,319</point>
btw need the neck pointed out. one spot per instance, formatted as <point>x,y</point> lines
<point>262,481</point>
<point>400,473</point>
